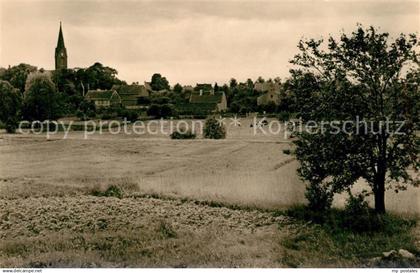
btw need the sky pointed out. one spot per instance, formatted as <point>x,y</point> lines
<point>189,42</point>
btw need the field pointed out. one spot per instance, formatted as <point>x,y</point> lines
<point>185,202</point>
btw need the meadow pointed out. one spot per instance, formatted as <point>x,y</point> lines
<point>181,202</point>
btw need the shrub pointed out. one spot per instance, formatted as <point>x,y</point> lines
<point>284,116</point>
<point>161,110</point>
<point>357,217</point>
<point>130,115</point>
<point>287,151</point>
<point>213,129</point>
<point>183,134</point>
<point>111,191</point>
<point>319,196</point>
<point>167,110</point>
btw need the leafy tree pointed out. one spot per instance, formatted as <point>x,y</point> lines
<point>16,75</point>
<point>159,83</point>
<point>86,109</point>
<point>178,88</point>
<point>96,76</point>
<point>216,87</point>
<point>10,104</point>
<point>41,100</point>
<point>363,77</point>
<point>260,79</point>
<point>233,83</point>
<point>250,84</point>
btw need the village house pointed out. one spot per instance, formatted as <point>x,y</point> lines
<point>132,96</point>
<point>103,98</point>
<point>209,100</point>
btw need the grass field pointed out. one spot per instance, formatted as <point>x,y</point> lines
<point>185,202</point>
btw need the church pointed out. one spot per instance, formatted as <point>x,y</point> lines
<point>60,52</point>
<point>128,96</point>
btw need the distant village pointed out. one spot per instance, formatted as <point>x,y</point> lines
<point>98,86</point>
<point>136,96</point>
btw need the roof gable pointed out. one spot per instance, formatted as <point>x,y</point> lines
<point>101,94</point>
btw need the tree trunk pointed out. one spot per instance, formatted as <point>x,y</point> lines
<point>379,190</point>
<point>380,199</point>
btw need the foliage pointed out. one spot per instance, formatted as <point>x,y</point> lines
<point>41,101</point>
<point>10,104</point>
<point>336,220</point>
<point>314,243</point>
<point>161,110</point>
<point>159,83</point>
<point>111,191</point>
<point>284,116</point>
<point>214,129</point>
<point>361,77</point>
<point>178,88</point>
<point>130,115</point>
<point>183,134</point>
<point>319,196</point>
<point>17,75</point>
<point>97,76</point>
<point>86,109</point>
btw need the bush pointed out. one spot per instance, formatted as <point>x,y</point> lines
<point>357,217</point>
<point>287,152</point>
<point>111,191</point>
<point>183,134</point>
<point>161,110</point>
<point>319,196</point>
<point>213,129</point>
<point>284,116</point>
<point>167,110</point>
<point>130,115</point>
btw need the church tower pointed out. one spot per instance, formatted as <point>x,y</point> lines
<point>60,52</point>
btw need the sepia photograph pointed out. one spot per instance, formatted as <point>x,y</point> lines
<point>226,135</point>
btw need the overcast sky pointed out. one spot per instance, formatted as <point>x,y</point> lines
<point>186,41</point>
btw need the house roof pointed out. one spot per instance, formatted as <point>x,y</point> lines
<point>133,90</point>
<point>203,86</point>
<point>99,94</point>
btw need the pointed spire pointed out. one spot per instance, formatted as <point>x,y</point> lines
<point>60,42</point>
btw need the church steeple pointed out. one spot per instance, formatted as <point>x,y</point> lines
<point>60,52</point>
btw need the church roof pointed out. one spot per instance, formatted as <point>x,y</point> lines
<point>60,42</point>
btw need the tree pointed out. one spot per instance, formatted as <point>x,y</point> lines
<point>159,83</point>
<point>178,88</point>
<point>216,87</point>
<point>16,75</point>
<point>10,104</point>
<point>233,83</point>
<point>41,100</point>
<point>359,77</point>
<point>96,76</point>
